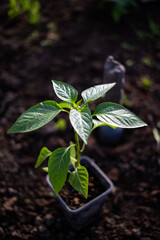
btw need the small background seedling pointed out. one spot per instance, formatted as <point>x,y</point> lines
<point>129,47</point>
<point>61,124</point>
<point>147,83</point>
<point>146,61</point>
<point>30,8</point>
<point>129,63</point>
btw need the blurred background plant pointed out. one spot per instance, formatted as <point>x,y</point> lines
<point>121,8</point>
<point>30,8</point>
<point>152,31</point>
<point>61,124</point>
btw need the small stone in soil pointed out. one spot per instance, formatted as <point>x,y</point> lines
<point>93,190</point>
<point>9,202</point>
<point>16,234</point>
<point>12,191</point>
<point>136,232</point>
<point>127,232</point>
<point>114,174</point>
<point>27,201</point>
<point>146,224</point>
<point>76,200</point>
<point>106,211</point>
<point>2,190</point>
<point>34,230</point>
<point>49,220</point>
<point>41,202</point>
<point>38,220</point>
<point>43,231</point>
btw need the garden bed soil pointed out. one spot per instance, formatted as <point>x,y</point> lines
<point>74,52</point>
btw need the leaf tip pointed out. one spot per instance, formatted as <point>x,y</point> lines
<point>53,83</point>
<point>36,165</point>
<point>86,195</point>
<point>10,130</point>
<point>45,169</point>
<point>113,84</point>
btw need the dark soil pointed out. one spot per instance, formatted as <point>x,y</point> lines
<point>75,53</point>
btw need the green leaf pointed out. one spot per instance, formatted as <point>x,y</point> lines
<point>45,169</point>
<point>97,123</point>
<point>35,117</point>
<point>72,154</point>
<point>117,115</point>
<point>44,153</point>
<point>79,180</point>
<point>58,168</point>
<point>65,91</point>
<point>81,122</point>
<point>96,92</point>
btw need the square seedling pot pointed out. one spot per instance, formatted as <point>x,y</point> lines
<point>84,215</point>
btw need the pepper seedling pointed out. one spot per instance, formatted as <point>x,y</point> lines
<point>83,123</point>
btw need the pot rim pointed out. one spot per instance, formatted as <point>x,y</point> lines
<point>102,195</point>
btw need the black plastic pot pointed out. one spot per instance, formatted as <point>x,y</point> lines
<point>86,214</point>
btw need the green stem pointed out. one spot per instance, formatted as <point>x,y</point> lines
<point>78,148</point>
<point>82,149</point>
<point>64,110</point>
<point>75,106</point>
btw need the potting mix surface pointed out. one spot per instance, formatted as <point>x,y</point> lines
<point>75,200</point>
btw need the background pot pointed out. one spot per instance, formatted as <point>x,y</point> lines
<point>114,71</point>
<point>110,136</point>
<point>86,214</point>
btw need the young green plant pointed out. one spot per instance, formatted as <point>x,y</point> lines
<point>83,123</point>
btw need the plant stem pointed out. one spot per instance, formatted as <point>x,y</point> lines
<point>64,110</point>
<point>82,149</point>
<point>78,148</point>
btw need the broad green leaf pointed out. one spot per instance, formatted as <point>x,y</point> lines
<point>117,115</point>
<point>96,92</point>
<point>65,91</point>
<point>79,180</point>
<point>45,169</point>
<point>65,105</point>
<point>35,117</point>
<point>44,153</point>
<point>97,123</point>
<point>58,168</point>
<point>72,154</point>
<point>81,122</point>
